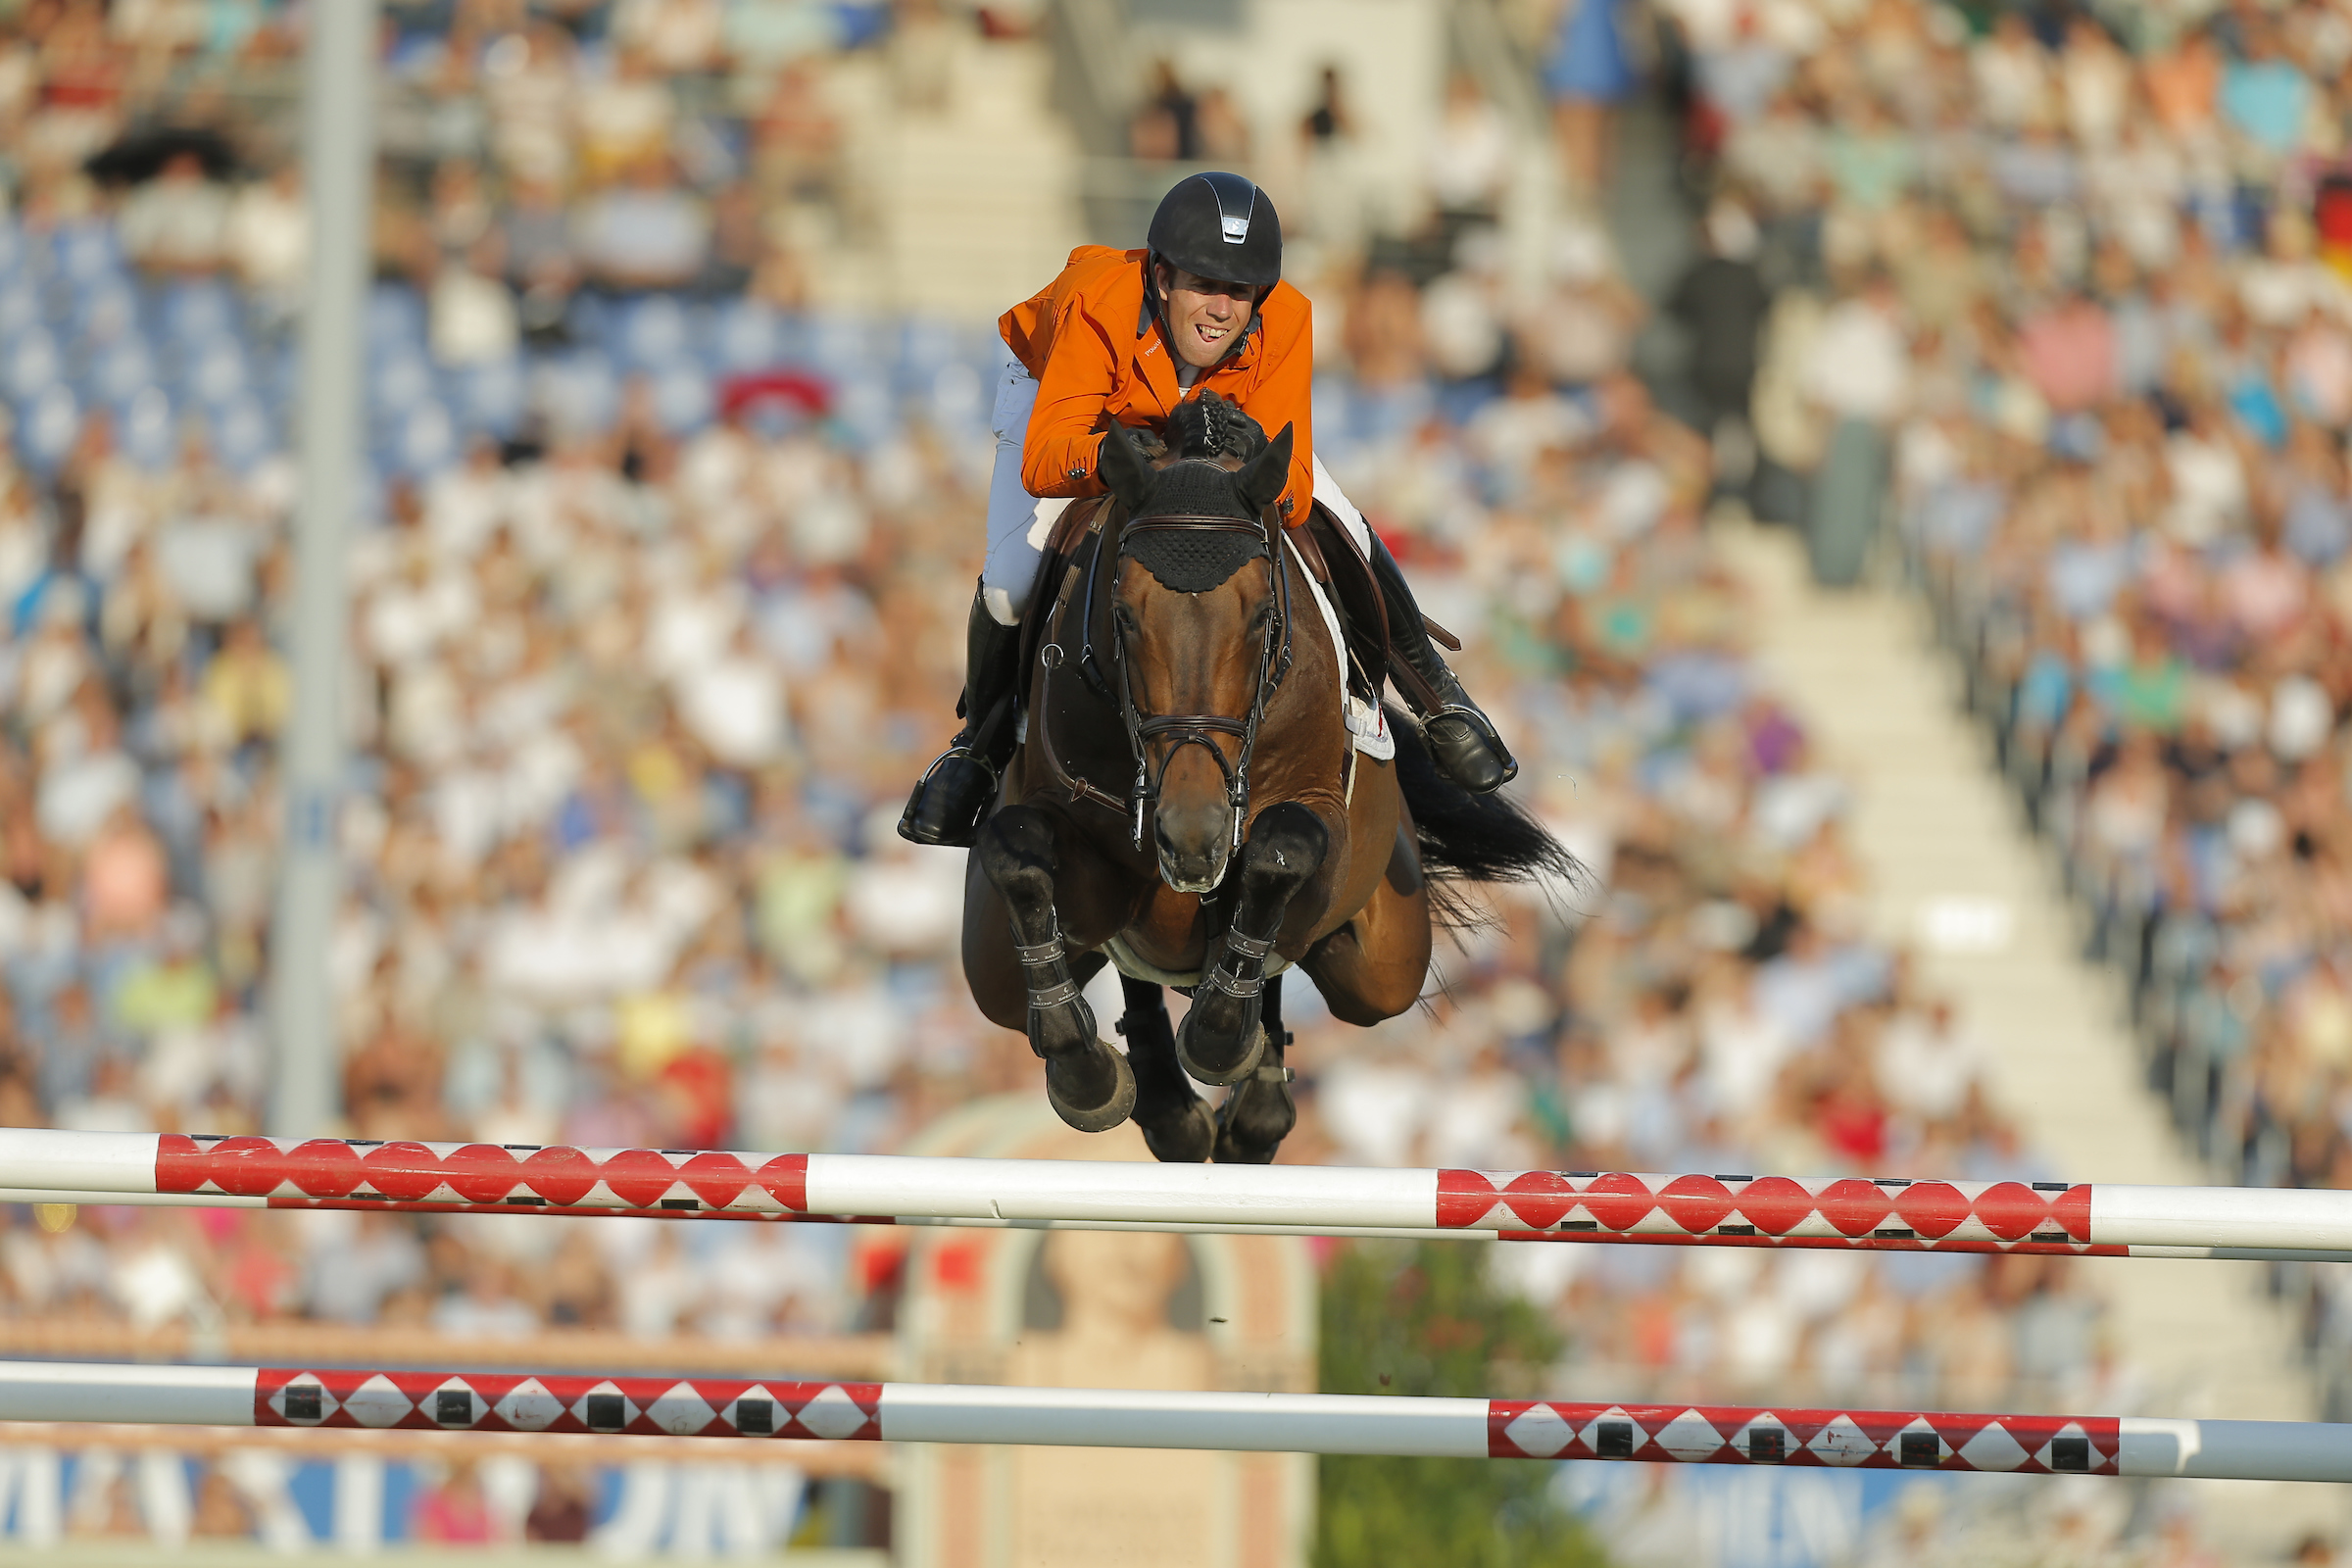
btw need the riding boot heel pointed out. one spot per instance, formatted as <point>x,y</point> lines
<point>1462,740</point>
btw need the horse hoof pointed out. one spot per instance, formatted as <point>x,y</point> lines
<point>1092,1089</point>
<point>1211,1069</point>
<point>1230,1151</point>
<point>1185,1137</point>
<point>1237,1146</point>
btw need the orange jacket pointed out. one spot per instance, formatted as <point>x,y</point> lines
<point>1097,357</point>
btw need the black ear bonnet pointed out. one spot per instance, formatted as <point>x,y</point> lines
<point>1192,561</point>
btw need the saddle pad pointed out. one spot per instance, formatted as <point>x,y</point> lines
<point>1367,723</point>
<point>1359,597</point>
<point>1059,528</point>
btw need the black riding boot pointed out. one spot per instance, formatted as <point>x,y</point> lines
<point>1462,740</point>
<point>956,792</point>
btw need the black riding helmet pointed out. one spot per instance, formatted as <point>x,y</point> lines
<point>1219,226</point>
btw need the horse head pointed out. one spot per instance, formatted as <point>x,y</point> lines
<point>1198,642</point>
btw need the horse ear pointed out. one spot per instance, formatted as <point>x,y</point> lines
<point>1263,476</point>
<point>1123,471</point>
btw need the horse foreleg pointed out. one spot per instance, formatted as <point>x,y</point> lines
<point>1259,1112</point>
<point>1220,1041</point>
<point>1174,1121</point>
<point>1087,1083</point>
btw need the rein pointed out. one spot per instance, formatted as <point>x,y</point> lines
<point>1179,731</point>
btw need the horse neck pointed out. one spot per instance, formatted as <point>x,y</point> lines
<point>1302,749</point>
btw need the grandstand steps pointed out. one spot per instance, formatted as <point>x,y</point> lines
<point>964,209</point>
<point>1957,878</point>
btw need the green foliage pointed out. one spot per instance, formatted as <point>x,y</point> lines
<point>1423,1320</point>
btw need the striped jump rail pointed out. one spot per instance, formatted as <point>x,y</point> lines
<point>1855,1213</point>
<point>1125,1418</point>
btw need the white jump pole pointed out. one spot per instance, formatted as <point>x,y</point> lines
<point>2072,1219</point>
<point>1125,1418</point>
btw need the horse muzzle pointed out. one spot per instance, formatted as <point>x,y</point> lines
<point>1191,861</point>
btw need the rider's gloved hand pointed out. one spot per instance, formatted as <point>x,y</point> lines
<point>1212,426</point>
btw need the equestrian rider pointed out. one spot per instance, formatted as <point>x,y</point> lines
<point>1138,336</point>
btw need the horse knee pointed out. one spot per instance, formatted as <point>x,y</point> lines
<point>1016,854</point>
<point>1287,845</point>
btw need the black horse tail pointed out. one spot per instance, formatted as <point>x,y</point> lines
<point>1474,837</point>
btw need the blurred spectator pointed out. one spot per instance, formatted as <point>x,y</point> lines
<point>473,318</point>
<point>797,141</point>
<point>1741,74</point>
<point>560,1513</point>
<point>922,55</point>
<point>1470,156</point>
<point>1582,328</point>
<point>1721,302</point>
<point>1589,70</point>
<point>647,233</point>
<point>178,221</point>
<point>266,237</point>
<point>2263,95</point>
<point>455,1513</point>
<point>542,263</point>
<point>1223,129</point>
<point>1465,312</point>
<point>676,38</point>
<point>625,119</point>
<point>1167,123</point>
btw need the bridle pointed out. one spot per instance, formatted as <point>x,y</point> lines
<point>1180,730</point>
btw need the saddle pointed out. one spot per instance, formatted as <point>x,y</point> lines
<point>1074,535</point>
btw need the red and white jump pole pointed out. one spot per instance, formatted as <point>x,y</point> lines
<point>1124,1418</point>
<point>2076,1219</point>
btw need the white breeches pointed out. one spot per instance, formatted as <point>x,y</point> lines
<point>1019,523</point>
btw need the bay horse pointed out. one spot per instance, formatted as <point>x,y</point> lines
<point>1189,802</point>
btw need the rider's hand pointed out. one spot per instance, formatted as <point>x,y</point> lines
<point>1212,426</point>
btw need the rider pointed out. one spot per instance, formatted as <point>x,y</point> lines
<point>1138,336</point>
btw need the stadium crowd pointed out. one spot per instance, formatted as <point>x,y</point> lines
<point>654,621</point>
<point>2085,273</point>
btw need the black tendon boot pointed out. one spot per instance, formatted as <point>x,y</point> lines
<point>1174,1120</point>
<point>956,792</point>
<point>1259,1112</point>
<point>1462,740</point>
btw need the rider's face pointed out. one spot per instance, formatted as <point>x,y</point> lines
<point>1204,317</point>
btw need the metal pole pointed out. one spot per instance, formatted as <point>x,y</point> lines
<point>339,163</point>
<point>766,1409</point>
